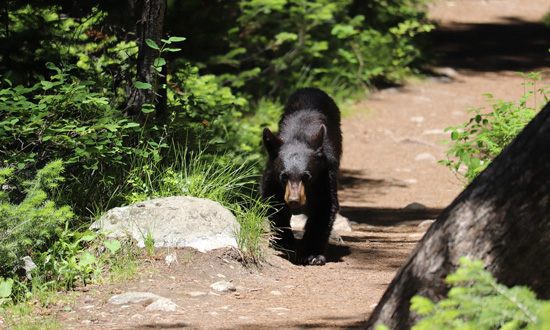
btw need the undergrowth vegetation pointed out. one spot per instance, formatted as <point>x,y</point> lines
<point>477,301</point>
<point>477,142</point>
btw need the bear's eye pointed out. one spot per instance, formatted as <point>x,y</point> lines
<point>284,177</point>
<point>306,177</point>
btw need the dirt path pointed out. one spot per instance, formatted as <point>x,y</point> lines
<point>390,183</point>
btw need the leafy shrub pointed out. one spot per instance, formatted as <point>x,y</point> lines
<point>29,227</point>
<point>67,261</point>
<point>477,301</point>
<point>338,45</point>
<point>202,110</point>
<point>73,120</point>
<point>475,143</point>
<point>62,117</point>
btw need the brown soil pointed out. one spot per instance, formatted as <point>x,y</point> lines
<point>390,183</point>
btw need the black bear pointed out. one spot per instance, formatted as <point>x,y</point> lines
<point>301,172</point>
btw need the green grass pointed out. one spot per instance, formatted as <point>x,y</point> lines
<point>32,314</point>
<point>215,177</point>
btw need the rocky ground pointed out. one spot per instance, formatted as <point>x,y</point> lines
<point>390,184</point>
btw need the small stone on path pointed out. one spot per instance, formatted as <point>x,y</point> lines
<point>425,156</point>
<point>278,309</point>
<point>162,304</point>
<point>170,259</point>
<point>134,298</point>
<point>415,206</point>
<point>223,286</point>
<point>417,119</point>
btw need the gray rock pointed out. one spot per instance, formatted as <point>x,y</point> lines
<point>425,156</point>
<point>134,298</point>
<point>415,206</point>
<point>341,223</point>
<point>28,265</point>
<point>173,222</point>
<point>419,119</point>
<point>162,304</point>
<point>278,309</point>
<point>223,286</point>
<point>446,71</point>
<point>171,258</point>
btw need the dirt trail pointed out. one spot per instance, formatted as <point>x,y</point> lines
<point>390,183</point>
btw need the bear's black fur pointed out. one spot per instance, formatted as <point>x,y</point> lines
<point>301,171</point>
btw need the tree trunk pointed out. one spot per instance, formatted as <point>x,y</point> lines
<point>149,27</point>
<point>502,217</point>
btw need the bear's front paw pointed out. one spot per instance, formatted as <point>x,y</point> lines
<point>316,260</point>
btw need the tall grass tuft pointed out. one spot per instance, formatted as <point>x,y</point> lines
<point>213,176</point>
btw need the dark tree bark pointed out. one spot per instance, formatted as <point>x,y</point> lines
<point>502,217</point>
<point>148,27</point>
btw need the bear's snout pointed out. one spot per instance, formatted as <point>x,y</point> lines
<point>295,195</point>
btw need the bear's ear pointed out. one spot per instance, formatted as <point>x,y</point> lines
<point>272,143</point>
<point>317,138</point>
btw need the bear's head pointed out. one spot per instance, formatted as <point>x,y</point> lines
<point>297,163</point>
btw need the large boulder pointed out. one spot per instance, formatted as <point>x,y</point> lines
<point>173,222</point>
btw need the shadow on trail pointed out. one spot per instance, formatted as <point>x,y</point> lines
<point>387,216</point>
<point>324,323</point>
<point>353,179</point>
<point>516,46</point>
<point>177,325</point>
<point>336,253</point>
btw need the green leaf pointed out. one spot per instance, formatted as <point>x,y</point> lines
<point>159,61</point>
<point>52,66</point>
<point>86,258</point>
<point>130,125</point>
<point>152,44</point>
<point>148,108</point>
<point>173,50</point>
<point>111,127</point>
<point>46,84</point>
<point>87,238</point>
<point>177,39</point>
<point>113,245</point>
<point>382,327</point>
<point>5,287</point>
<point>142,85</point>
<point>422,305</point>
